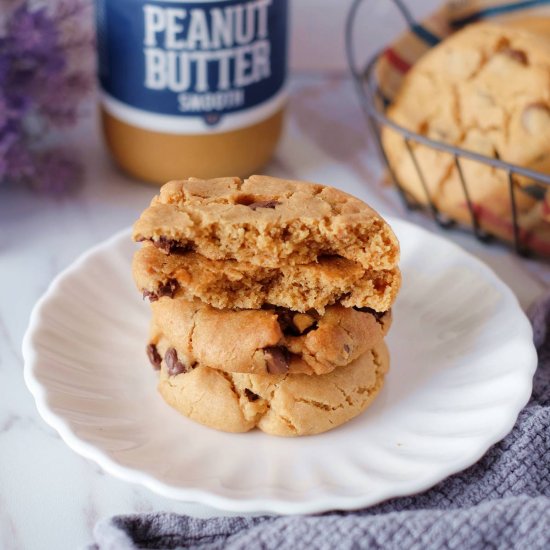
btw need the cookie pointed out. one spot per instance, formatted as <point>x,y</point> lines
<point>232,284</point>
<point>267,222</point>
<point>270,341</point>
<point>486,88</point>
<point>284,404</point>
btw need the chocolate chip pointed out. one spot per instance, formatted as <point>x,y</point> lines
<point>423,128</point>
<point>154,356</point>
<point>296,324</point>
<point>173,365</point>
<point>165,244</point>
<point>169,288</point>
<point>181,249</point>
<point>284,318</point>
<point>263,204</point>
<point>377,314</point>
<point>538,105</point>
<point>251,395</point>
<point>347,349</point>
<point>517,55</point>
<point>277,359</point>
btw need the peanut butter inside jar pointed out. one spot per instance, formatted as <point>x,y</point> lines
<point>158,157</point>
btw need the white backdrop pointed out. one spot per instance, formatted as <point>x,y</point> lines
<point>317,30</point>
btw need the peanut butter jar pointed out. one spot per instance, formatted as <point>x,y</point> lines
<point>194,88</point>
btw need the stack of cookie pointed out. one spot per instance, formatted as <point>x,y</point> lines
<point>270,302</point>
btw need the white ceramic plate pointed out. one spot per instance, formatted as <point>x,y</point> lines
<point>462,367</point>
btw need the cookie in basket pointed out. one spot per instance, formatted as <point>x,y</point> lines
<point>486,89</point>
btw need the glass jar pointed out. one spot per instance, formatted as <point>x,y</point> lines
<point>193,88</point>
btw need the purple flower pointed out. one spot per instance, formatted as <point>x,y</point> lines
<point>41,88</point>
<point>19,161</point>
<point>58,98</point>
<point>59,171</point>
<point>32,33</point>
<point>4,63</point>
<point>6,142</point>
<point>5,112</point>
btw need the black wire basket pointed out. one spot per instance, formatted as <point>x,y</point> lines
<point>374,107</point>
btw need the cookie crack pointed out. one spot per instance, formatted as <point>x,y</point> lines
<point>318,404</point>
<point>266,400</point>
<point>456,110</point>
<point>376,359</point>
<point>345,395</point>
<point>232,386</point>
<point>369,390</point>
<point>190,346</point>
<point>241,402</point>
<point>196,402</point>
<point>270,411</point>
<point>340,325</point>
<point>288,423</point>
<point>310,356</point>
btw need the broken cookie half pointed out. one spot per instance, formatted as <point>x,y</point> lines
<point>232,284</point>
<point>266,221</point>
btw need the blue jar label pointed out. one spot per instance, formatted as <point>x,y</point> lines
<point>192,66</point>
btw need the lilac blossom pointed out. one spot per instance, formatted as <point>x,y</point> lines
<point>42,85</point>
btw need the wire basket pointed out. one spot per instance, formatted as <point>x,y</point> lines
<point>374,106</point>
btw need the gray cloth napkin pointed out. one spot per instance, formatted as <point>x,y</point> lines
<point>501,502</point>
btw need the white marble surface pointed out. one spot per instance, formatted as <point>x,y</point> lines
<point>49,496</point>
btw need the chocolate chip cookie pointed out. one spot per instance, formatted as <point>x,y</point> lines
<point>267,222</point>
<point>486,89</point>
<point>233,284</point>
<point>272,341</point>
<point>278,404</point>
